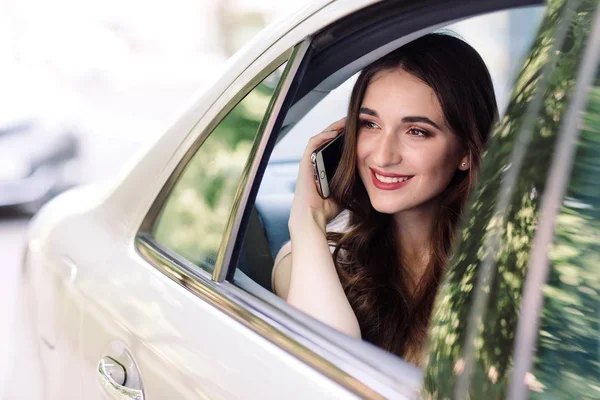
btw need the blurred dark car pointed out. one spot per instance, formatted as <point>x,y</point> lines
<point>37,158</point>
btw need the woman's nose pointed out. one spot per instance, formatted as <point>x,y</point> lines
<point>388,150</point>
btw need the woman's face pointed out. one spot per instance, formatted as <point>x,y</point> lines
<point>406,154</point>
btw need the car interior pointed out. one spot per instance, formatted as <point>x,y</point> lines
<point>319,95</point>
<point>331,66</point>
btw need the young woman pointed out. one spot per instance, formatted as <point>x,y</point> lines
<point>416,127</point>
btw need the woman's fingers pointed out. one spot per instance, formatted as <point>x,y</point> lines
<point>307,202</point>
<point>322,137</point>
<point>329,133</point>
<point>337,125</point>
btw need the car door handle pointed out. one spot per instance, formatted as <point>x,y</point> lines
<point>113,380</point>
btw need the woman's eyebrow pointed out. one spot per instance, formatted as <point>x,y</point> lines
<point>368,111</point>
<point>424,120</point>
<point>410,119</point>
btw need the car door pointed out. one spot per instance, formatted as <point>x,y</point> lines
<point>150,316</point>
<point>484,330</point>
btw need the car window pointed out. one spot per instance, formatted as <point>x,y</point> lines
<point>567,362</point>
<point>503,46</point>
<point>196,211</point>
<point>275,193</point>
<point>472,334</point>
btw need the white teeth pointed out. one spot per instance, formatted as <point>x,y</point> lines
<point>388,179</point>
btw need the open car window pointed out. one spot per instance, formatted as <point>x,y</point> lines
<point>315,108</point>
<point>503,45</point>
<point>502,38</point>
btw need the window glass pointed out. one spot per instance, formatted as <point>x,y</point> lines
<point>194,216</point>
<point>473,327</point>
<point>567,363</point>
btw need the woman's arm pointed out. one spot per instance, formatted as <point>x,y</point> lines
<point>282,271</point>
<point>315,287</point>
<point>282,267</point>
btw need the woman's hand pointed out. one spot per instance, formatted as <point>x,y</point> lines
<point>308,204</point>
<point>314,284</point>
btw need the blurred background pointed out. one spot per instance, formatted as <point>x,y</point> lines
<point>86,85</point>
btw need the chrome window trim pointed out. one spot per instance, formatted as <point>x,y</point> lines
<point>300,341</point>
<point>559,174</point>
<point>173,265</point>
<point>254,159</point>
<point>158,204</point>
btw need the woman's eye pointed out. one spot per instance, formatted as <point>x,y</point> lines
<point>418,132</point>
<point>368,124</point>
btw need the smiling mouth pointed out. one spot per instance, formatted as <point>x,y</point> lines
<point>389,182</point>
<point>390,179</point>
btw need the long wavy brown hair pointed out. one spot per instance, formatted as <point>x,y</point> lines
<point>392,313</point>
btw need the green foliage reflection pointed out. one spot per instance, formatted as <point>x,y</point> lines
<point>497,237</point>
<point>567,363</point>
<point>194,217</point>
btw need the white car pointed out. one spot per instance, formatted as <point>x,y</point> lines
<point>157,286</point>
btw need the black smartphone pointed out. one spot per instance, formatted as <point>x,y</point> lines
<point>325,160</point>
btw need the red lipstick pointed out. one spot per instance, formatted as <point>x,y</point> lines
<point>389,185</point>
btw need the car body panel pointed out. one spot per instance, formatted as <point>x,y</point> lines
<point>104,293</point>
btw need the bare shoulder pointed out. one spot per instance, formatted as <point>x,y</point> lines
<point>282,271</point>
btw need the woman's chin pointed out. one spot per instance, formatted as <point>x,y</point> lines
<point>387,207</point>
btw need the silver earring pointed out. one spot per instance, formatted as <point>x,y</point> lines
<point>463,164</point>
